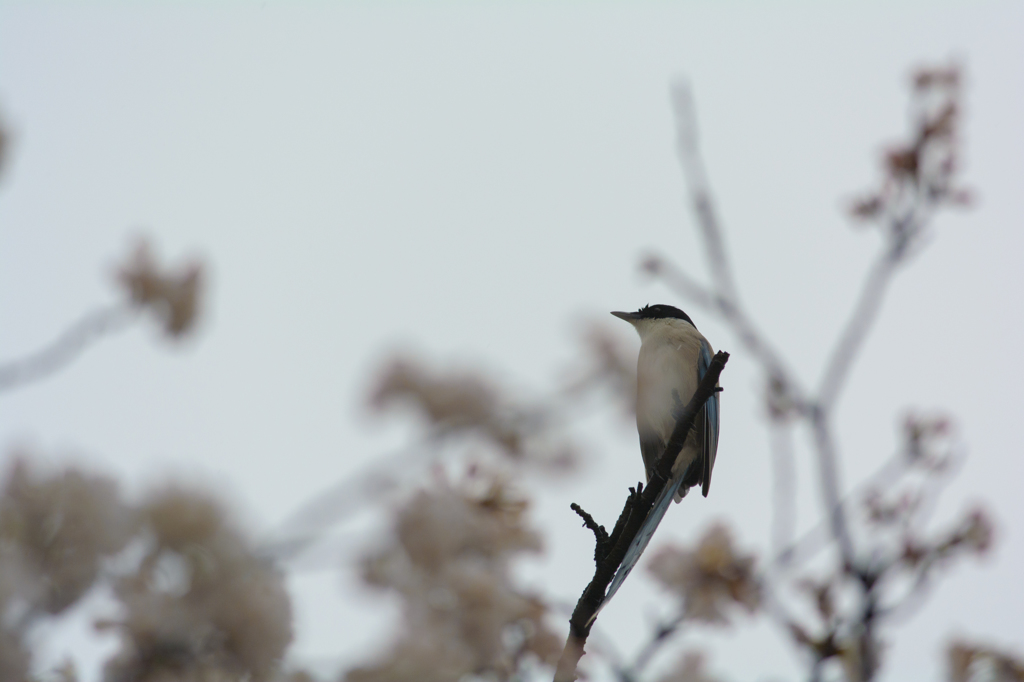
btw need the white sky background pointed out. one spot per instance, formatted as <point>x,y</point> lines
<point>471,181</point>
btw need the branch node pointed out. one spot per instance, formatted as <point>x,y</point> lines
<point>601,539</point>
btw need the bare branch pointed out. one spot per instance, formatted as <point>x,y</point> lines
<point>857,328</point>
<point>811,542</point>
<point>783,489</point>
<point>683,284</point>
<point>602,541</point>
<point>66,348</point>
<point>700,193</point>
<point>912,600</point>
<point>828,464</point>
<point>724,297</point>
<point>314,519</point>
<point>660,638</point>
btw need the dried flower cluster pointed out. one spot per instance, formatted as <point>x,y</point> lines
<point>173,296</point>
<point>689,668</point>
<point>197,604</point>
<point>449,561</point>
<point>709,578</point>
<point>61,527</point>
<point>928,454</point>
<point>54,533</point>
<point>923,170</point>
<point>836,638</point>
<point>458,402</point>
<point>977,663</point>
<point>18,588</point>
<point>201,605</point>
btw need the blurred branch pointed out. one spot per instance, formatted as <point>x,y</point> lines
<point>783,488</point>
<point>661,637</point>
<point>974,533</point>
<point>314,519</point>
<point>66,348</point>
<point>815,539</point>
<point>681,282</point>
<point>172,295</point>
<point>798,551</point>
<point>857,328</point>
<point>633,515</point>
<point>828,465</point>
<point>724,297</point>
<point>700,192</point>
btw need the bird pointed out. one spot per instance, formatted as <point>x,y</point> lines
<point>673,358</point>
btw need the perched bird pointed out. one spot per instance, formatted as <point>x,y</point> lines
<point>673,358</point>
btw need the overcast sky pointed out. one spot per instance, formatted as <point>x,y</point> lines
<point>471,181</point>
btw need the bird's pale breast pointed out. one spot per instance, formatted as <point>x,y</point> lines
<point>667,367</point>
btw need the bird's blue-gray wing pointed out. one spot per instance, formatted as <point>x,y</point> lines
<point>711,417</point>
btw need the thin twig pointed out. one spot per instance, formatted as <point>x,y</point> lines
<point>316,517</point>
<point>661,637</point>
<point>905,606</point>
<point>684,285</point>
<point>601,539</point>
<point>814,540</point>
<point>68,346</point>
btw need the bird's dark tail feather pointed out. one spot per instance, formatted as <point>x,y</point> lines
<point>639,544</point>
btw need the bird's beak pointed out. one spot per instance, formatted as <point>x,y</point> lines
<point>628,317</point>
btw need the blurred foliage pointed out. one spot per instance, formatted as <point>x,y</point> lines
<point>172,296</point>
<point>462,615</point>
<point>978,663</point>
<point>196,601</point>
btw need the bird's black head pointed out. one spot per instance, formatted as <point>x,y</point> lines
<point>656,312</point>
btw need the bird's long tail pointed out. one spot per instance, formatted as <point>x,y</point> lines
<point>639,544</point>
